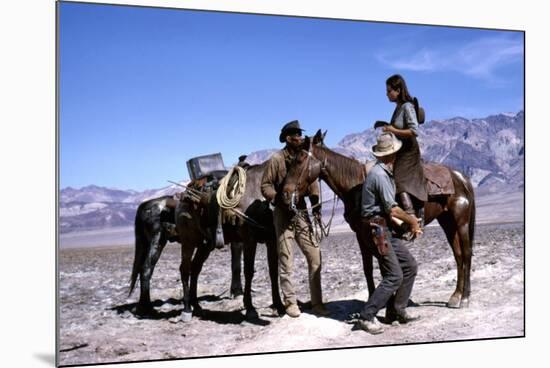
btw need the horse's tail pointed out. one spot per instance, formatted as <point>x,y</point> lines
<point>141,247</point>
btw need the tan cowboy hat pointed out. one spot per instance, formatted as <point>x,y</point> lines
<point>386,144</point>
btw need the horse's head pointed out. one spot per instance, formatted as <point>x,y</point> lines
<point>303,170</point>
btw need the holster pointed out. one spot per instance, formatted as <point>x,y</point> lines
<point>376,230</point>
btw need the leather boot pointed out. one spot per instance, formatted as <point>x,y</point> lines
<point>407,205</point>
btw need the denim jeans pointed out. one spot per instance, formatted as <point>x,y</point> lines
<point>398,268</point>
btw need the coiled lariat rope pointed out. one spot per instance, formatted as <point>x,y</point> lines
<point>229,198</point>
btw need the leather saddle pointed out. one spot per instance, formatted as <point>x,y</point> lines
<point>438,178</point>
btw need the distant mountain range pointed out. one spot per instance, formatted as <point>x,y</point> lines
<point>94,207</point>
<point>490,151</point>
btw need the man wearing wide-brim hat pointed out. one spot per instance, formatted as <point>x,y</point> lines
<point>397,265</point>
<point>291,227</point>
<point>292,130</point>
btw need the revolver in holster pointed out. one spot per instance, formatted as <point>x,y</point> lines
<point>377,227</point>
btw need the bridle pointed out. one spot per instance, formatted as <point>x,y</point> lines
<point>309,167</point>
<point>306,171</point>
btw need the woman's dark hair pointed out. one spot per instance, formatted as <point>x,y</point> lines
<point>396,82</point>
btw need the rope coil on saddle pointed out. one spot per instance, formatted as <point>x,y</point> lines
<point>229,197</point>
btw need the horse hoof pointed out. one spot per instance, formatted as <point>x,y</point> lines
<point>465,303</point>
<point>251,314</point>
<point>186,316</point>
<point>236,293</point>
<point>453,303</point>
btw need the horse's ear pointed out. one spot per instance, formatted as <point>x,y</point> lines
<point>318,138</point>
<point>306,143</point>
<point>324,134</point>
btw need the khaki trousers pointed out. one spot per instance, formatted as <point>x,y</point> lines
<point>297,229</point>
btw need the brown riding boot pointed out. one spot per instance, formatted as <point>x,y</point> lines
<point>406,202</point>
<point>407,205</point>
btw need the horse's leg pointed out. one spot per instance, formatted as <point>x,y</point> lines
<point>273,266</point>
<point>367,264</point>
<point>236,256</point>
<point>448,223</point>
<point>203,251</point>
<point>185,272</point>
<point>157,244</point>
<point>466,246</point>
<point>249,257</point>
<point>465,216</point>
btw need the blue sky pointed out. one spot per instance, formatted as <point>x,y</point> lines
<point>142,90</point>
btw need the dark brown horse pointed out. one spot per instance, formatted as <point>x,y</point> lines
<point>256,226</point>
<point>345,176</point>
<point>152,232</point>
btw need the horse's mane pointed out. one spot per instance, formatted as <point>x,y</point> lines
<point>349,171</point>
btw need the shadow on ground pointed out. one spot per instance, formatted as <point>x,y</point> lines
<point>222,317</point>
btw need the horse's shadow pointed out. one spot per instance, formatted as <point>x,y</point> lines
<point>346,311</point>
<point>154,314</point>
<point>221,317</point>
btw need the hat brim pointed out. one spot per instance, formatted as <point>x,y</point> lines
<point>283,135</point>
<point>396,147</point>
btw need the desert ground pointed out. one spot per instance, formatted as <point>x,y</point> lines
<point>97,323</point>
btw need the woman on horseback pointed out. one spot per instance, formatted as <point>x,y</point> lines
<point>408,172</point>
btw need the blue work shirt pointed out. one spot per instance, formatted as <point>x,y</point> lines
<point>378,195</point>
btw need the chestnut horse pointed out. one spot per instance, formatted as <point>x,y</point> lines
<point>345,176</point>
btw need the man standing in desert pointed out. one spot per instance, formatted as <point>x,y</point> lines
<point>293,227</point>
<point>397,265</point>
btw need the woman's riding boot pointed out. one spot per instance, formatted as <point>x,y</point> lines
<point>407,205</point>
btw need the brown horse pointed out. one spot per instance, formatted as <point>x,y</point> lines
<point>345,176</point>
<point>151,235</point>
<point>256,227</point>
